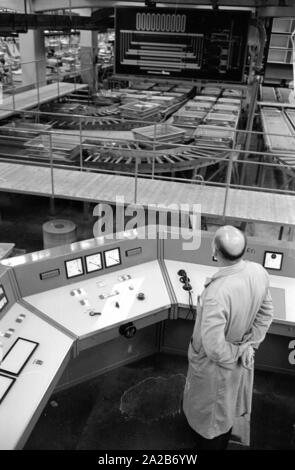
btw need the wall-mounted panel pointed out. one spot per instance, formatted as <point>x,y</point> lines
<point>181,43</point>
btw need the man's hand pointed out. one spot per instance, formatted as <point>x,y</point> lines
<point>247,357</point>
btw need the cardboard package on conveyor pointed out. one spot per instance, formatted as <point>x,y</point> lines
<point>185,90</point>
<point>178,96</point>
<point>140,110</point>
<point>164,101</point>
<point>220,119</point>
<point>211,91</point>
<point>205,98</point>
<point>159,133</point>
<point>194,105</point>
<point>213,136</point>
<point>188,117</point>
<point>233,100</point>
<point>63,147</point>
<point>226,108</point>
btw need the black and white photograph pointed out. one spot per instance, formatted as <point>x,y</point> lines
<point>147,230</point>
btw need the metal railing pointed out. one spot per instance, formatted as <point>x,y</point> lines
<point>275,166</point>
<point>36,82</point>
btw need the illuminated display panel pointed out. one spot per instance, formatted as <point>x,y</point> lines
<point>181,43</point>
<point>74,267</point>
<point>93,262</point>
<point>112,257</point>
<point>273,260</point>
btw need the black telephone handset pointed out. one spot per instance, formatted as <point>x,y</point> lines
<point>183,277</point>
<point>185,280</point>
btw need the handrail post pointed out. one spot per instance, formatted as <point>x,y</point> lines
<point>13,98</point>
<point>228,181</point>
<point>58,82</point>
<point>81,149</point>
<point>37,82</point>
<point>135,179</point>
<point>52,200</point>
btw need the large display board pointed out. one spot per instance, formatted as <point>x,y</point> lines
<point>181,43</point>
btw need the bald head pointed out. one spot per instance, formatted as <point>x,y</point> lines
<point>230,242</point>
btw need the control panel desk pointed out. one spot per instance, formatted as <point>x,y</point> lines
<point>197,273</point>
<point>282,290</point>
<point>34,356</point>
<point>90,307</point>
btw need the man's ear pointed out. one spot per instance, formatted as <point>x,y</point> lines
<point>214,254</point>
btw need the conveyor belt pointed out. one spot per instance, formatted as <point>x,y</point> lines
<point>121,157</point>
<point>268,93</point>
<point>274,121</point>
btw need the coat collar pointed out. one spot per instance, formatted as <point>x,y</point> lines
<point>226,271</point>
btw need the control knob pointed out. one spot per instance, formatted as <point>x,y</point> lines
<point>140,296</point>
<point>128,330</point>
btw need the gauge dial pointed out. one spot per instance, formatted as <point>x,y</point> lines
<point>112,257</point>
<point>74,267</point>
<point>93,262</point>
<point>273,260</point>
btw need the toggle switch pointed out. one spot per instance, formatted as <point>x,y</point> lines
<point>9,332</point>
<point>20,318</point>
<point>105,296</point>
<point>124,277</point>
<point>39,362</point>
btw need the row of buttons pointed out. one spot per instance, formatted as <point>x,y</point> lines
<point>77,292</point>
<point>124,277</point>
<point>8,333</point>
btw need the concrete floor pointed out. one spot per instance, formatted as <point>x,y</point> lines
<point>138,406</point>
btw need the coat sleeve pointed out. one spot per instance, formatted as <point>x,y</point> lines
<point>262,320</point>
<point>213,334</point>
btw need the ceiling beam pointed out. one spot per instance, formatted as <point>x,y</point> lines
<point>43,5</point>
<point>277,11</point>
<point>19,22</point>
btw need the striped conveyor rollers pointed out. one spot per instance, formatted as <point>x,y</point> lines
<point>122,158</point>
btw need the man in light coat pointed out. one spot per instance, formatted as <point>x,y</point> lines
<point>234,313</point>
